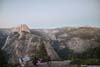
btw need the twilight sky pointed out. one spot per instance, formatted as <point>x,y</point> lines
<point>49,13</point>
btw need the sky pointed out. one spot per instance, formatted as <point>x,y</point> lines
<point>49,13</point>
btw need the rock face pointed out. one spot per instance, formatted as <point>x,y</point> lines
<point>23,42</point>
<point>77,45</point>
<point>21,28</point>
<point>3,35</point>
<point>51,52</point>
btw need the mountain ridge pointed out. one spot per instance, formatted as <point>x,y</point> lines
<point>21,42</point>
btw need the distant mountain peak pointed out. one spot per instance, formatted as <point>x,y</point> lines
<point>24,27</point>
<point>21,28</point>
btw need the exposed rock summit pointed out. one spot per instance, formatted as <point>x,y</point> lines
<point>21,28</point>
<point>22,43</point>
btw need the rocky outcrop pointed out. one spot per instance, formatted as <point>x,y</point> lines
<point>21,43</point>
<point>22,27</point>
<point>50,51</point>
